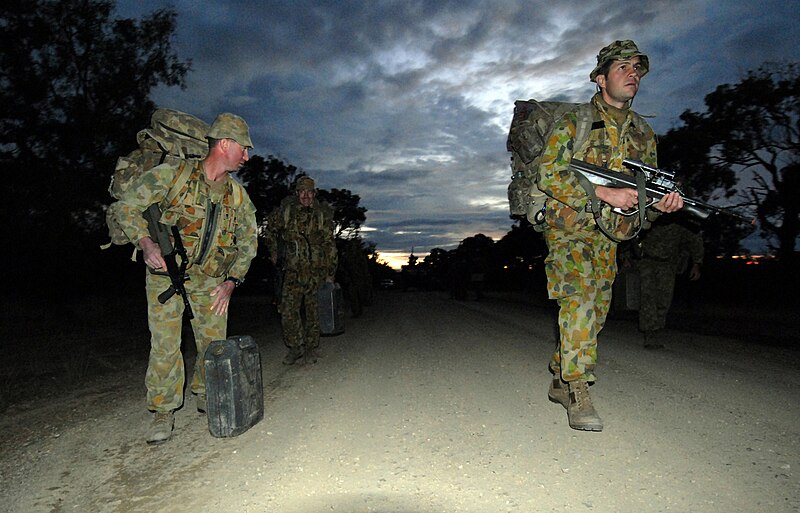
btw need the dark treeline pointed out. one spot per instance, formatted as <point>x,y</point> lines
<point>76,89</point>
<point>513,266</point>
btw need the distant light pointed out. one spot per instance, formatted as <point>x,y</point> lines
<point>749,259</point>
<point>397,259</point>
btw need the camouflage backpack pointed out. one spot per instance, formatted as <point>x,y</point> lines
<point>530,126</point>
<point>173,137</point>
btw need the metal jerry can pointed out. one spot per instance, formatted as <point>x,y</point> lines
<point>331,309</point>
<point>234,388</point>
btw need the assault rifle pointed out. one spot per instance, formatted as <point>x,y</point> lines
<point>170,252</point>
<point>657,184</point>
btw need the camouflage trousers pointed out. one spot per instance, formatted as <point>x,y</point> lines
<point>657,287</point>
<point>299,309</point>
<point>165,377</point>
<point>580,273</point>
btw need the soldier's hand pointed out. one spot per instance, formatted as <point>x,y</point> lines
<point>694,273</point>
<point>151,252</point>
<point>618,197</point>
<point>222,297</point>
<point>672,202</point>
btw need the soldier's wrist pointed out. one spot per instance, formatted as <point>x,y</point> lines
<point>236,281</point>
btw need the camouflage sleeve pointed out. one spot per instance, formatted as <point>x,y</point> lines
<point>555,178</point>
<point>694,245</point>
<point>246,232</point>
<point>151,187</point>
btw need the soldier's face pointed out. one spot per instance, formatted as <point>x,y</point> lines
<point>622,82</point>
<point>306,197</point>
<point>236,154</point>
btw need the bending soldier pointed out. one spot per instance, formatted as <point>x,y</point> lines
<point>213,204</point>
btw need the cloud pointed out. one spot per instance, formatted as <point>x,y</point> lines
<point>407,103</point>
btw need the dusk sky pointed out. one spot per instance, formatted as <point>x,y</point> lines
<point>407,103</point>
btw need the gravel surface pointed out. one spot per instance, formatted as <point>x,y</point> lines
<point>426,404</point>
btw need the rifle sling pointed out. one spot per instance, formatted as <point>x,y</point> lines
<point>595,206</point>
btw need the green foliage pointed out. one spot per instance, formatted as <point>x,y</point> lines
<point>747,142</point>
<point>347,214</point>
<point>75,88</point>
<point>378,269</point>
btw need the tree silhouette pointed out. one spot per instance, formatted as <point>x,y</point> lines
<point>750,131</point>
<point>75,87</point>
<point>347,214</point>
<point>268,181</point>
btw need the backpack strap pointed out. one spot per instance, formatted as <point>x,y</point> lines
<point>583,127</point>
<point>181,179</point>
<point>237,192</point>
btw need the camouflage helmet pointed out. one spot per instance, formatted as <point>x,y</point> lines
<point>230,126</point>
<point>304,183</point>
<point>620,50</point>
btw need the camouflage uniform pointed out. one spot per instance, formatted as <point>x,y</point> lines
<point>665,250</point>
<point>581,264</point>
<point>302,240</point>
<point>353,275</point>
<point>231,244</point>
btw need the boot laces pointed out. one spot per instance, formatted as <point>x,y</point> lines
<point>582,398</point>
<point>162,417</point>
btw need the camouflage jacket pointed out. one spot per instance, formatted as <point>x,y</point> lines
<point>607,145</point>
<point>673,243</point>
<point>302,238</point>
<point>223,217</point>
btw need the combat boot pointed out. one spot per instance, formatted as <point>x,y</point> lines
<point>295,354</point>
<point>201,403</point>
<point>559,392</point>
<point>161,428</point>
<point>311,355</point>
<point>653,340</point>
<point>580,411</point>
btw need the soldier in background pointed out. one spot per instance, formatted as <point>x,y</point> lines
<point>301,244</point>
<point>353,275</point>
<point>666,249</point>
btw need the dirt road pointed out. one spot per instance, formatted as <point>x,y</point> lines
<point>428,405</point>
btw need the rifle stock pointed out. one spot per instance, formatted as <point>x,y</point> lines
<point>177,273</point>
